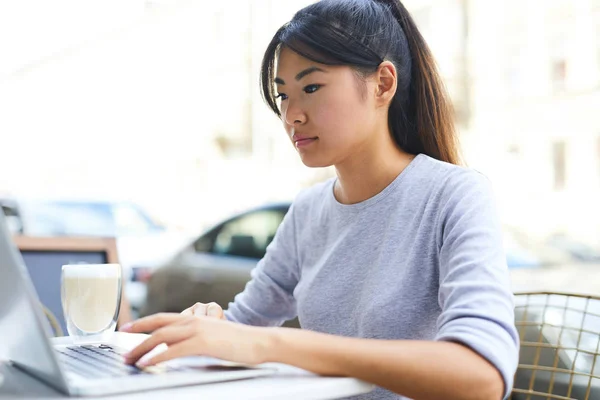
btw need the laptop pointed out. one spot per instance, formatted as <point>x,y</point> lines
<point>81,370</point>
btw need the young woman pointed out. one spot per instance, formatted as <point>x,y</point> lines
<point>395,268</point>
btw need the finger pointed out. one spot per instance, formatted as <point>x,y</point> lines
<point>214,310</point>
<point>188,312</point>
<point>152,322</point>
<point>198,307</point>
<point>168,335</point>
<point>184,348</point>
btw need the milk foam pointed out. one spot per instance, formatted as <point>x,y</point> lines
<point>91,270</point>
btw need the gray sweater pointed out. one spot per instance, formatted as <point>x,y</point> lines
<point>423,259</point>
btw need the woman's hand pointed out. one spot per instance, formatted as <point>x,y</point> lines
<point>201,310</point>
<point>187,335</point>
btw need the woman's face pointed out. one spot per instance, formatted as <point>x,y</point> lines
<point>327,111</point>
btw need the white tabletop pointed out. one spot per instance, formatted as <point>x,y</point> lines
<point>288,383</point>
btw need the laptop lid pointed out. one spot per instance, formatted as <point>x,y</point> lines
<point>23,326</point>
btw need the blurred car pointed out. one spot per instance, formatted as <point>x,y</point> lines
<point>522,251</point>
<point>140,239</point>
<point>217,265</point>
<point>580,251</point>
<point>11,213</point>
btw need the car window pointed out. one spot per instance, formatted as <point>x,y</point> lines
<point>248,235</point>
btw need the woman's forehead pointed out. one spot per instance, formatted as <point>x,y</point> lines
<point>289,64</point>
<point>288,61</point>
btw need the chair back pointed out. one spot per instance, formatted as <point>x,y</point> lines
<point>54,324</point>
<point>560,343</point>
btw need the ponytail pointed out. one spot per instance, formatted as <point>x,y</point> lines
<point>428,124</point>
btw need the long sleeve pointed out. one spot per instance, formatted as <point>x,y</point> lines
<point>268,299</point>
<point>475,296</point>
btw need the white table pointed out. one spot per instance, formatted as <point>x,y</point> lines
<point>288,383</point>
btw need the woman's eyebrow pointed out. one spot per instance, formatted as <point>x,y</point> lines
<point>301,74</point>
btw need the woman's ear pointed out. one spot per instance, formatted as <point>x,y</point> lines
<point>387,82</point>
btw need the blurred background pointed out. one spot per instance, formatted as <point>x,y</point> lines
<point>142,120</point>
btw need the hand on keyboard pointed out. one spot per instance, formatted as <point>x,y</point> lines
<point>187,335</point>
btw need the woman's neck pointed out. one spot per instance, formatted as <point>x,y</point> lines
<point>369,171</point>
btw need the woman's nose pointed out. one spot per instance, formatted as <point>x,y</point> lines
<point>294,115</point>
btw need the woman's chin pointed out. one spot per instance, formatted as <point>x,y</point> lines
<point>314,162</point>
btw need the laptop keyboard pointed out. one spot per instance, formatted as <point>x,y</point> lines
<point>96,362</point>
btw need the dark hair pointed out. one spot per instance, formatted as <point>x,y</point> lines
<point>362,34</point>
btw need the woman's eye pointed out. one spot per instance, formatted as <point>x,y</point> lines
<point>311,88</point>
<point>281,96</point>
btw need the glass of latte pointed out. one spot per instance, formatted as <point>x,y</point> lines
<point>91,296</point>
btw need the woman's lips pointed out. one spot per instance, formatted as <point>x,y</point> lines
<point>305,142</point>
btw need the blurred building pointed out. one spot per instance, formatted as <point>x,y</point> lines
<point>150,100</point>
<point>443,23</point>
<point>107,99</point>
<point>530,77</point>
<point>159,101</point>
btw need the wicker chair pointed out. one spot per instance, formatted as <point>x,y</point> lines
<point>560,343</point>
<point>56,329</point>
